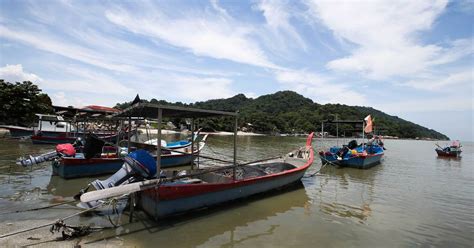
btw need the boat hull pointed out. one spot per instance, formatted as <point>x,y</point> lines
<point>206,195</point>
<point>358,162</point>
<point>452,154</point>
<point>19,132</point>
<point>80,167</point>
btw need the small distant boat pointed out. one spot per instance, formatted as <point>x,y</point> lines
<point>454,150</point>
<point>362,156</point>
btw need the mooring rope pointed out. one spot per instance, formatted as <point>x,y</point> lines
<point>40,208</point>
<point>316,172</point>
<point>52,223</point>
<point>326,162</point>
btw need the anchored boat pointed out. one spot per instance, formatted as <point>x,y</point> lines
<point>80,166</point>
<point>360,156</point>
<point>92,157</point>
<point>175,192</point>
<point>454,150</point>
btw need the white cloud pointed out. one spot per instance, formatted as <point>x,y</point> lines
<point>450,83</point>
<point>202,88</point>
<point>85,80</point>
<point>15,73</point>
<point>222,11</point>
<point>52,45</point>
<point>278,20</point>
<point>321,88</point>
<point>213,36</point>
<point>386,34</point>
<point>443,103</point>
<point>62,99</point>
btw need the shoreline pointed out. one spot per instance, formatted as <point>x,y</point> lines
<point>219,133</point>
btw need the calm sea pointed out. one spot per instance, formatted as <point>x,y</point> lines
<point>412,199</point>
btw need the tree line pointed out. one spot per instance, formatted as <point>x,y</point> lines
<point>289,112</point>
<point>281,112</point>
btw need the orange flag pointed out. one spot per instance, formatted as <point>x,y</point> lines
<point>368,124</point>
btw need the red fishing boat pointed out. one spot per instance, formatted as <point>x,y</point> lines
<point>194,189</point>
<point>454,150</point>
<point>175,192</point>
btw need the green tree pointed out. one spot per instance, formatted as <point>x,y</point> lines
<point>21,101</point>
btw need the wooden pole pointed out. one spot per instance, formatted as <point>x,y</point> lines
<point>322,130</point>
<point>363,127</point>
<point>192,142</point>
<point>337,131</point>
<point>235,146</point>
<point>198,144</point>
<point>118,138</point>
<point>128,134</point>
<point>158,144</point>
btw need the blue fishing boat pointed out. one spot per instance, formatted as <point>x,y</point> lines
<point>353,155</point>
<point>91,157</point>
<point>108,163</point>
<point>361,157</point>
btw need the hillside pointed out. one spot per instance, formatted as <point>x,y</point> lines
<point>289,112</point>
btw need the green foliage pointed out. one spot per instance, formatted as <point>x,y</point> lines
<point>289,112</point>
<point>21,101</point>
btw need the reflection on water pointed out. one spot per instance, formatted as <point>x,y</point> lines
<point>335,198</point>
<point>414,198</point>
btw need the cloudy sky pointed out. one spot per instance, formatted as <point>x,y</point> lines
<point>413,59</point>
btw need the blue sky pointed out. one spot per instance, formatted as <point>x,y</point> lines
<point>413,59</point>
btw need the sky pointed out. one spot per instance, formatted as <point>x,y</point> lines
<point>412,59</point>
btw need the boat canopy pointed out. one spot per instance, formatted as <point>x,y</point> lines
<point>43,117</point>
<point>150,110</point>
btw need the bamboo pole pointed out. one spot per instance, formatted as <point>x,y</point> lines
<point>235,146</point>
<point>192,141</point>
<point>158,144</point>
<point>128,134</point>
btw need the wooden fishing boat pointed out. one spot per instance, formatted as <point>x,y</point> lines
<point>54,129</point>
<point>110,162</point>
<point>363,156</point>
<point>175,192</point>
<point>184,191</point>
<point>211,188</point>
<point>453,151</point>
<point>360,157</point>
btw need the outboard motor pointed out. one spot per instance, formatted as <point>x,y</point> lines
<point>138,165</point>
<point>66,150</point>
<point>352,144</point>
<point>93,146</point>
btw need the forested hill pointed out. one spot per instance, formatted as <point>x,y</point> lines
<point>289,112</point>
